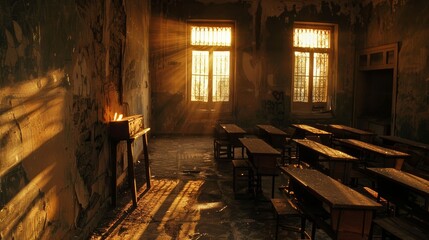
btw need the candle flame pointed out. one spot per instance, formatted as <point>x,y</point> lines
<point>117,117</point>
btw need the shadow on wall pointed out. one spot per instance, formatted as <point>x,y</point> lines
<point>34,156</point>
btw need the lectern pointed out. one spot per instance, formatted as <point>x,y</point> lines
<point>128,129</point>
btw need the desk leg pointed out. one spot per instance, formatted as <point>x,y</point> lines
<point>272,186</point>
<point>131,175</point>
<point>258,185</point>
<point>146,161</point>
<point>398,163</point>
<point>113,169</point>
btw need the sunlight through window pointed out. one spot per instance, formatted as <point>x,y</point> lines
<point>211,36</point>
<point>312,49</point>
<point>211,63</point>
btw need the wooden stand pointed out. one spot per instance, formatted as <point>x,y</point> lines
<point>131,174</point>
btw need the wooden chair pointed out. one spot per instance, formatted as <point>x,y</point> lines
<point>242,171</point>
<point>221,146</point>
<point>284,209</point>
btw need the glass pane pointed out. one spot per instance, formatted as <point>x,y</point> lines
<point>311,38</point>
<point>220,76</point>
<point>211,36</point>
<point>200,76</point>
<point>301,77</point>
<point>320,77</point>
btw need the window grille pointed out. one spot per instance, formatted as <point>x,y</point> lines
<point>220,76</point>
<point>200,76</point>
<point>320,77</point>
<point>211,63</point>
<point>311,38</point>
<point>311,72</point>
<point>211,36</point>
<point>301,76</point>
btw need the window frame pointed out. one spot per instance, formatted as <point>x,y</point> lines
<point>311,107</point>
<point>225,106</point>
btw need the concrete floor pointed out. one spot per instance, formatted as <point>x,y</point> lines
<point>191,198</point>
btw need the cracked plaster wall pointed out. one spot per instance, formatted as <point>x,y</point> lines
<point>405,22</point>
<point>65,67</point>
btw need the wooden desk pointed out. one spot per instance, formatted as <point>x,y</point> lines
<point>396,185</point>
<point>271,130</point>
<point>131,175</point>
<point>343,131</point>
<point>392,140</point>
<point>365,148</point>
<point>231,128</point>
<point>263,158</point>
<point>303,130</point>
<point>273,136</point>
<point>410,194</point>
<point>234,132</point>
<point>340,163</point>
<point>348,213</point>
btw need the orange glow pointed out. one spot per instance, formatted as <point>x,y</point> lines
<point>33,121</point>
<point>211,64</point>
<point>211,36</point>
<point>117,117</point>
<point>190,220</point>
<point>168,38</point>
<point>35,116</point>
<point>311,38</point>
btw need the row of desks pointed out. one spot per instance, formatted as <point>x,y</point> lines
<point>338,162</point>
<point>341,211</point>
<point>344,213</point>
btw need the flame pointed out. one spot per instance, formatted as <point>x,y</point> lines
<point>117,117</point>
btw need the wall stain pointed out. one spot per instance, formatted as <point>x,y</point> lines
<point>275,108</point>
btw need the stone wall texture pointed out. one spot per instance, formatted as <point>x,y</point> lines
<point>65,68</point>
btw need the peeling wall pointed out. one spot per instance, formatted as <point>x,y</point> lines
<point>65,68</point>
<point>262,90</point>
<point>405,22</point>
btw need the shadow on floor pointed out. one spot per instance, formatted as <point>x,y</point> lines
<point>191,198</point>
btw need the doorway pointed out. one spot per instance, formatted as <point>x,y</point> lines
<point>374,101</point>
<point>375,90</point>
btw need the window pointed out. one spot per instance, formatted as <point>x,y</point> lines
<point>210,51</point>
<point>313,58</point>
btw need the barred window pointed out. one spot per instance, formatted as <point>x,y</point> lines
<point>210,63</point>
<point>312,46</point>
<point>210,36</point>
